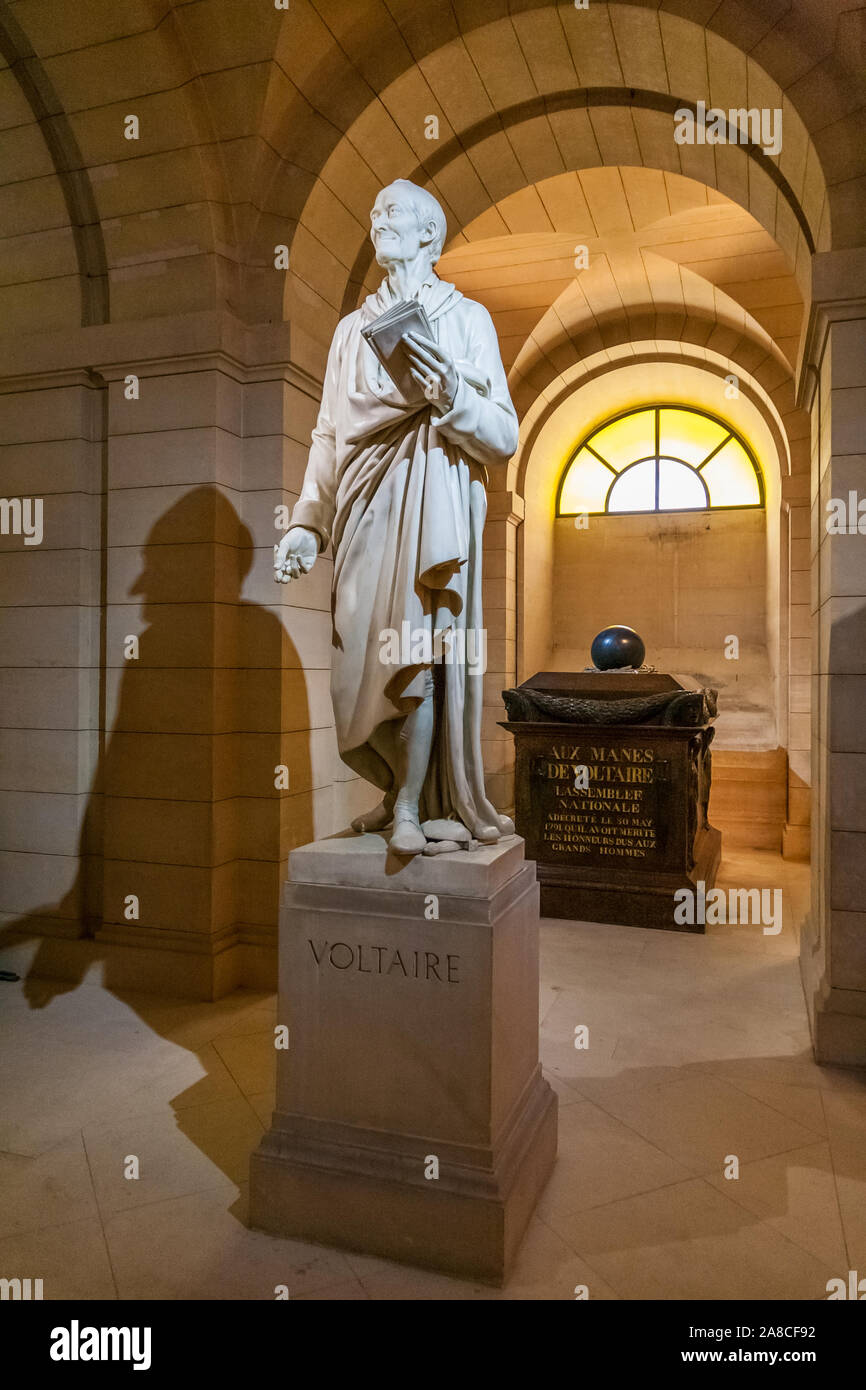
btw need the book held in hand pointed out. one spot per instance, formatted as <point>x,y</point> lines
<point>385,336</point>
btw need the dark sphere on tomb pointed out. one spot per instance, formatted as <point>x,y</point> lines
<point>617,649</point>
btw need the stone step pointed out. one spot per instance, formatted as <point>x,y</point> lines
<point>749,797</point>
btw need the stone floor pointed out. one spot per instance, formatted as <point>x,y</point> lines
<point>699,1049</point>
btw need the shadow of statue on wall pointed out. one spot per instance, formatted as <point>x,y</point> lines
<point>189,819</point>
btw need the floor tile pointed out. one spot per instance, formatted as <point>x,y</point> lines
<point>198,1247</point>
<point>846,1128</point>
<point>795,1193</point>
<point>691,1242</point>
<point>336,1293</point>
<point>51,1188</point>
<point>200,1147</point>
<point>71,1260</point>
<point>601,1160</point>
<point>263,1104</point>
<point>702,1119</point>
<point>250,1058</point>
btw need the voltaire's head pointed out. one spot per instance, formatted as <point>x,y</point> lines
<point>407,220</point>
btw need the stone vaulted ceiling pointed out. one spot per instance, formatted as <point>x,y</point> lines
<point>260,127</point>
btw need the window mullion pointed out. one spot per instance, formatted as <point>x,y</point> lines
<point>658,446</point>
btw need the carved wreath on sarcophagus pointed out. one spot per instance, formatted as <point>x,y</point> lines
<point>685,709</point>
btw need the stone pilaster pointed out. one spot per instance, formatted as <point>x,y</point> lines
<point>505,512</point>
<point>833,385</point>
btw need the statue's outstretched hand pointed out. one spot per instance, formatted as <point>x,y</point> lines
<point>296,554</point>
<point>433,368</point>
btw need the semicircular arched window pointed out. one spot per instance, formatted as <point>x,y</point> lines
<point>660,458</point>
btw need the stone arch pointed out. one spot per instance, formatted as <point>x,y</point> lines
<point>502,128</point>
<point>721,327</point>
<point>336,64</point>
<point>84,230</point>
<point>593,366</point>
<point>153,226</point>
<point>533,539</point>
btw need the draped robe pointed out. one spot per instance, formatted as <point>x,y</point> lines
<point>400,491</point>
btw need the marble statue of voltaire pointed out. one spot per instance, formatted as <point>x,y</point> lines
<point>398,489</point>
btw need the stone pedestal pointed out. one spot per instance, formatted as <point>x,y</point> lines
<point>411,994</point>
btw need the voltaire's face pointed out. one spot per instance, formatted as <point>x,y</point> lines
<point>395,231</point>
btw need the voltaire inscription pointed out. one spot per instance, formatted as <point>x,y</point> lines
<point>386,960</point>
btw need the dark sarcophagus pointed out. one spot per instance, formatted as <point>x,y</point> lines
<point>612,782</point>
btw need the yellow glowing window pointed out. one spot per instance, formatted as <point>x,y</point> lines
<point>660,459</point>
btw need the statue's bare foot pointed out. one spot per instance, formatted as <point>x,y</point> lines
<point>450,830</point>
<point>506,825</point>
<point>408,837</point>
<point>377,819</point>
